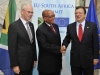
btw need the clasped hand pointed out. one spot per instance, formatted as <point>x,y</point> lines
<point>63,49</point>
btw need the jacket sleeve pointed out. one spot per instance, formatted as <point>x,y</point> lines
<point>12,45</point>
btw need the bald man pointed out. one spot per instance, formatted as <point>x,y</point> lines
<point>21,43</point>
<point>49,41</point>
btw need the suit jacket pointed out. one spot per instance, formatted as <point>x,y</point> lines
<point>21,51</point>
<point>82,53</point>
<point>50,58</point>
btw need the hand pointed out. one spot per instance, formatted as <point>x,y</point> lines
<point>95,61</point>
<point>34,63</point>
<point>63,49</point>
<point>16,69</point>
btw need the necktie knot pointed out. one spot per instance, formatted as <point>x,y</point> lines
<point>80,25</point>
<point>52,28</point>
<point>27,23</point>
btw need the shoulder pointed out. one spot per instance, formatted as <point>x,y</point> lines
<point>91,23</point>
<point>55,25</point>
<point>71,24</point>
<point>41,27</point>
<point>15,23</point>
<point>13,26</point>
<point>30,23</point>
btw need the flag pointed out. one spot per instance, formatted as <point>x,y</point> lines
<point>40,21</point>
<point>4,56</point>
<point>62,22</point>
<point>92,17</point>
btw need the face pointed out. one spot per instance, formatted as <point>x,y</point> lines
<point>49,17</point>
<point>27,12</point>
<point>80,15</point>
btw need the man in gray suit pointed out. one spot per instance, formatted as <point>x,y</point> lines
<point>21,43</point>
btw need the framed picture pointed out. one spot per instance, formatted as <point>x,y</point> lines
<point>82,2</point>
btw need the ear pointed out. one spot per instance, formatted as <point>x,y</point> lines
<point>85,15</point>
<point>44,18</point>
<point>22,12</point>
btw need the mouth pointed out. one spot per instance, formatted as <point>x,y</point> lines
<point>78,17</point>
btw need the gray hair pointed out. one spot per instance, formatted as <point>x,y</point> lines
<point>23,6</point>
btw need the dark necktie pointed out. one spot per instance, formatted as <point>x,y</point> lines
<point>80,32</point>
<point>29,32</point>
<point>52,28</point>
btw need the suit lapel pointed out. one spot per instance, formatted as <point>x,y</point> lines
<point>23,29</point>
<point>86,29</point>
<point>75,31</point>
<point>50,30</point>
<point>56,29</point>
<point>31,27</point>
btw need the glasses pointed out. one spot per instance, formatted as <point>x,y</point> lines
<point>53,16</point>
<point>29,12</point>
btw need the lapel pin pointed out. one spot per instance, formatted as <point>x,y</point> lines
<point>87,27</point>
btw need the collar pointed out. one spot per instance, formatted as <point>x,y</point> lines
<point>23,21</point>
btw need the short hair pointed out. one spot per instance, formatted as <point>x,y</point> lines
<point>44,12</point>
<point>81,8</point>
<point>23,6</point>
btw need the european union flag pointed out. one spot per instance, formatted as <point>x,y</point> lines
<point>62,22</point>
<point>92,16</point>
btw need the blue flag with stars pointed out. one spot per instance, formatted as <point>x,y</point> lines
<point>92,17</point>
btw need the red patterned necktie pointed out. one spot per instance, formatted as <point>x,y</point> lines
<point>80,32</point>
<point>52,28</point>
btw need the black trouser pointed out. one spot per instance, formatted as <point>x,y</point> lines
<point>28,72</point>
<point>55,73</point>
<point>81,70</point>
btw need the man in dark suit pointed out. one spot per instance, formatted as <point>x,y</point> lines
<point>49,41</point>
<point>21,43</point>
<point>84,52</point>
